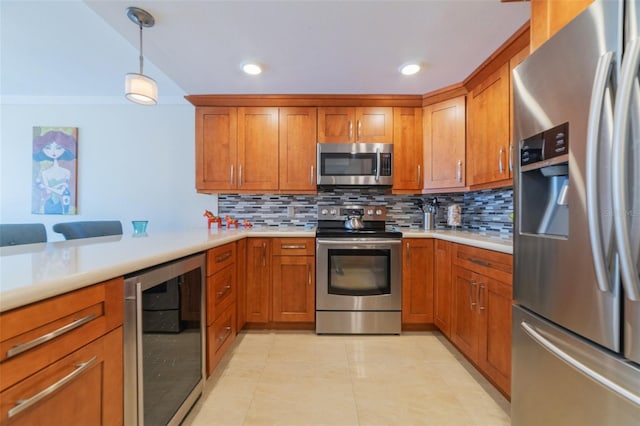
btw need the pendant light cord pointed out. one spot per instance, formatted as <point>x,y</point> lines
<point>141,57</point>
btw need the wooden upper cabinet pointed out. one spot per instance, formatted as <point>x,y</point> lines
<point>349,125</point>
<point>549,16</point>
<point>257,148</point>
<point>407,150</point>
<point>216,148</point>
<point>298,149</point>
<point>513,145</point>
<point>445,144</point>
<point>488,142</point>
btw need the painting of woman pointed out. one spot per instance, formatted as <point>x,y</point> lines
<point>54,170</point>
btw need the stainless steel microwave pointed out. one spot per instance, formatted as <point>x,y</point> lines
<point>355,164</point>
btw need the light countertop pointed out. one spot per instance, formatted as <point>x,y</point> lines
<point>490,241</point>
<point>34,272</point>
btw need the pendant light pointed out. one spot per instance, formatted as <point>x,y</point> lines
<point>138,87</point>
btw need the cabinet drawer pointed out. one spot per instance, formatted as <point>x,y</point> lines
<point>34,336</point>
<point>220,335</point>
<point>84,387</point>
<point>488,262</point>
<point>293,246</point>
<point>220,257</point>
<point>221,289</point>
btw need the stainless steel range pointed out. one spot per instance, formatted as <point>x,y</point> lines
<point>358,272</point>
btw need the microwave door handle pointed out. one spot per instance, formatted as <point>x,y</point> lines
<point>377,164</point>
<point>628,78</point>
<point>602,75</point>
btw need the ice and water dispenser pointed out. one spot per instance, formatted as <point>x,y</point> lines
<point>544,183</point>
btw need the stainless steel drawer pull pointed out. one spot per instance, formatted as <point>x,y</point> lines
<point>472,284</point>
<point>23,404</point>
<point>223,256</point>
<point>227,332</point>
<point>225,291</point>
<point>478,261</point>
<point>293,246</point>
<point>480,298</point>
<point>22,347</point>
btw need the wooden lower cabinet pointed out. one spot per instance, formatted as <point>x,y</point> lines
<point>481,311</point>
<point>221,302</point>
<point>280,281</point>
<point>442,286</point>
<point>417,281</point>
<point>293,289</point>
<point>81,368</point>
<point>241,273</point>
<point>258,280</point>
<point>220,335</point>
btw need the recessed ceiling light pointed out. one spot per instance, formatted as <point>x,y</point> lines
<point>252,68</point>
<point>410,68</point>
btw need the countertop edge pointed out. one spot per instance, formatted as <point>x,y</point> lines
<point>21,296</point>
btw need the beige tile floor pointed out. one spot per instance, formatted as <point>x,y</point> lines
<point>300,379</point>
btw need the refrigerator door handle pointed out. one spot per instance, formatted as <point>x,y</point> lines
<point>603,73</point>
<point>580,367</point>
<point>628,78</point>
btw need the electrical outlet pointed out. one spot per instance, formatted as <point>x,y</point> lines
<point>291,211</point>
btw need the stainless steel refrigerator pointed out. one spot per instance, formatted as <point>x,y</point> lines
<point>576,314</point>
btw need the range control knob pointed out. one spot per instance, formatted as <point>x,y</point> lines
<point>333,211</point>
<point>378,212</point>
<point>369,212</point>
<point>324,211</point>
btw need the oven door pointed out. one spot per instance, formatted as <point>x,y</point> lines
<point>358,274</point>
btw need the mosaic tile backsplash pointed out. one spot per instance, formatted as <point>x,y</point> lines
<point>486,211</point>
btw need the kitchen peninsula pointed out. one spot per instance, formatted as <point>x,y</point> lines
<point>31,273</point>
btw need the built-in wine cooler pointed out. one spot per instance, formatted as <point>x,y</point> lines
<point>164,342</point>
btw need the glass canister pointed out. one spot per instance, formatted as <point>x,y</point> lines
<point>454,215</point>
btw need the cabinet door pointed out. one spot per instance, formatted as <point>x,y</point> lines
<point>257,148</point>
<point>298,149</point>
<point>464,321</point>
<point>241,273</point>
<point>336,125</point>
<point>444,144</point>
<point>442,287</point>
<point>216,148</point>
<point>494,351</point>
<point>374,124</point>
<point>407,149</point>
<point>293,288</point>
<point>417,281</point>
<point>221,291</point>
<point>83,388</point>
<point>489,129</point>
<point>258,280</point>
<point>549,16</point>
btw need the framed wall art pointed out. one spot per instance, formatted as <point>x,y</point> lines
<point>54,187</point>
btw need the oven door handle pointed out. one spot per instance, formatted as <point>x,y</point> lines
<point>361,242</point>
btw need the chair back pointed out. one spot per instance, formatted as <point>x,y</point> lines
<point>12,234</point>
<point>88,229</point>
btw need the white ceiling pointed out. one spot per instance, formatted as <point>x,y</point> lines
<point>82,49</point>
